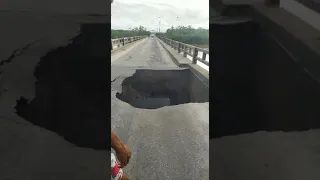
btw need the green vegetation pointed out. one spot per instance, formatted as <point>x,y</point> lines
<point>201,45</point>
<point>138,31</point>
<point>188,35</point>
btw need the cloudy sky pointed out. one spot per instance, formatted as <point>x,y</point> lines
<point>126,14</point>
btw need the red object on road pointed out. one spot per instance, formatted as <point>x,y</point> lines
<point>116,171</point>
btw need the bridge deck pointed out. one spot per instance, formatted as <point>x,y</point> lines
<point>147,53</point>
<point>169,142</point>
<point>28,151</point>
<point>277,116</point>
<point>266,155</point>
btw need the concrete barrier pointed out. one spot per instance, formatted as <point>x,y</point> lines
<point>182,61</point>
<point>188,49</point>
<point>121,42</point>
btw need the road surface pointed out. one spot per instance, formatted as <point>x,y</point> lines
<point>169,142</point>
<point>266,155</point>
<point>28,151</point>
<point>145,53</point>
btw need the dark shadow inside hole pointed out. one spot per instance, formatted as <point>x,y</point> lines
<point>71,90</point>
<point>257,85</point>
<point>152,89</point>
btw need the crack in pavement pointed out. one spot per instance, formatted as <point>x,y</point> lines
<point>116,78</point>
<point>18,52</point>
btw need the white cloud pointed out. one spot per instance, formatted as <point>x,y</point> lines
<point>127,14</point>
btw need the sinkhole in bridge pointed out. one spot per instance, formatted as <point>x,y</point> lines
<point>152,89</point>
<point>71,91</point>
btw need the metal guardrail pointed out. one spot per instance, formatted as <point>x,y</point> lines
<point>123,41</point>
<point>188,50</point>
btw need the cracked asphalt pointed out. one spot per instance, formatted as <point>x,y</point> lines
<point>28,151</point>
<point>167,143</point>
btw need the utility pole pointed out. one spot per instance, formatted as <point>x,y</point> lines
<point>159,24</point>
<point>177,21</point>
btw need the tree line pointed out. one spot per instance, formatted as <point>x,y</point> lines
<point>137,31</point>
<point>187,34</point>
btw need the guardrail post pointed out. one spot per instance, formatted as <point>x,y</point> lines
<point>184,51</point>
<point>111,45</point>
<point>204,56</point>
<point>122,41</point>
<point>179,48</point>
<point>195,55</point>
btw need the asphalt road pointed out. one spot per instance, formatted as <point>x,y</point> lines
<point>169,142</point>
<point>31,152</point>
<point>28,151</point>
<point>145,53</point>
<point>266,156</point>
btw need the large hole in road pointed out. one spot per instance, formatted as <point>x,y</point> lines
<point>267,90</point>
<point>72,91</point>
<point>151,89</point>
